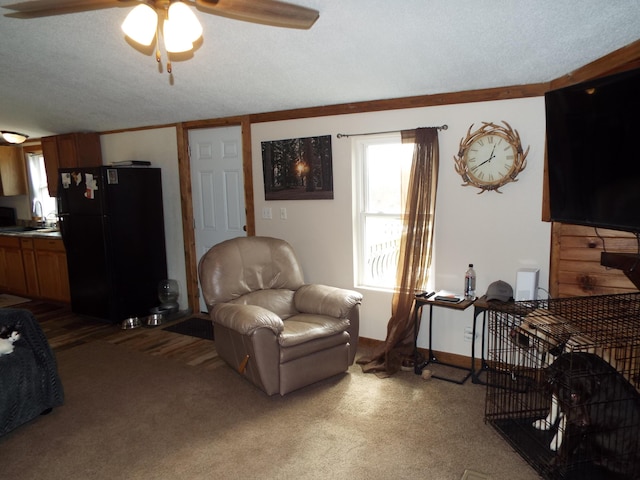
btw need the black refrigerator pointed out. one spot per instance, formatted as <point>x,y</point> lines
<point>112,224</point>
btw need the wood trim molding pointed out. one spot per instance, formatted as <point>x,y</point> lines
<point>625,58</point>
<point>471,96</point>
<point>190,257</point>
<point>186,195</point>
<point>249,203</point>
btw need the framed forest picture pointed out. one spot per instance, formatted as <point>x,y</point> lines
<point>298,169</point>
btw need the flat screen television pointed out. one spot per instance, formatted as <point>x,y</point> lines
<point>593,152</point>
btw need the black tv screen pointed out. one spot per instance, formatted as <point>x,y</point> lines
<point>593,152</point>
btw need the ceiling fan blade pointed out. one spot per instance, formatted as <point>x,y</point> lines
<point>46,8</point>
<point>267,12</point>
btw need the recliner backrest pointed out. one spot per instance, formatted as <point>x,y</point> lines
<point>239,266</point>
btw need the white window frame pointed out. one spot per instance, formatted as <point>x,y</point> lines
<point>38,188</point>
<point>388,248</point>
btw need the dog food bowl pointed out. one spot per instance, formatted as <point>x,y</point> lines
<point>131,322</point>
<point>154,319</point>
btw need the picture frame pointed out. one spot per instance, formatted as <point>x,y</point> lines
<point>298,168</point>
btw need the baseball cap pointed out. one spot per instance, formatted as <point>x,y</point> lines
<point>500,290</point>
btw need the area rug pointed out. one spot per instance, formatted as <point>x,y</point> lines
<point>7,300</point>
<point>194,327</point>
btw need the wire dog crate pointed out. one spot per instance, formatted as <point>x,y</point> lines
<point>563,383</point>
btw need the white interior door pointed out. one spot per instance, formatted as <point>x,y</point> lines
<point>217,185</point>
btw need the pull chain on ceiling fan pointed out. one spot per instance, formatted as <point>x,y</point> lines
<point>179,26</point>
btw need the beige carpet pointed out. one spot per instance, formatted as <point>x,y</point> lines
<point>8,300</point>
<point>129,415</point>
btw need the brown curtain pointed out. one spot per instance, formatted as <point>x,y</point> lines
<point>415,253</point>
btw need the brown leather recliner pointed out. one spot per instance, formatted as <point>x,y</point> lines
<point>277,331</point>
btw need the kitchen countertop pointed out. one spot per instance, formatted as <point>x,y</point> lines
<point>40,233</point>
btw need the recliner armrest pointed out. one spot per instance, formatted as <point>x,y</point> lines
<point>245,319</point>
<point>325,300</point>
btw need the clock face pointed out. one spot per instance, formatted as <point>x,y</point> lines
<point>490,159</point>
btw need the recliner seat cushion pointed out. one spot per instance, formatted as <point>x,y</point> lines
<point>304,327</point>
<point>307,348</point>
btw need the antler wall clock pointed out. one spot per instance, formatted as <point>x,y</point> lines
<point>490,157</point>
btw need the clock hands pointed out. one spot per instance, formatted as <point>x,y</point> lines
<point>491,157</point>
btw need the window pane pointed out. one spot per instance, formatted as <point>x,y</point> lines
<point>385,166</point>
<point>41,203</point>
<point>381,249</point>
<point>387,170</point>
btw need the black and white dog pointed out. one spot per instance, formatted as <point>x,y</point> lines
<point>598,412</point>
<point>551,335</point>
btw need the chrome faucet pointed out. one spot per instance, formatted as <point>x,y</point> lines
<point>37,204</point>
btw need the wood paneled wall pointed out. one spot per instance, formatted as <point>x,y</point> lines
<point>575,268</point>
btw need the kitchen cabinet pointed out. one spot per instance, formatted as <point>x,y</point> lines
<point>70,150</point>
<point>30,267</point>
<point>35,267</point>
<point>13,174</point>
<point>51,262</point>
<point>12,278</point>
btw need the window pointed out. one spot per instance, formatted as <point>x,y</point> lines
<point>41,203</point>
<point>383,166</point>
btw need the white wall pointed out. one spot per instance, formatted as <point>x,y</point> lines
<point>160,147</point>
<point>498,233</point>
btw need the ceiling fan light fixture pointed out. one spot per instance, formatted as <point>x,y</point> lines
<point>174,42</point>
<point>184,21</point>
<point>140,24</point>
<point>14,137</point>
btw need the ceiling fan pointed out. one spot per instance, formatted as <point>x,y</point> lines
<point>267,12</point>
<point>180,28</point>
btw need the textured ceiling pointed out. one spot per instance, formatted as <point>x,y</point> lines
<point>78,73</point>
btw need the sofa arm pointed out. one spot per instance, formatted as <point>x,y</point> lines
<point>245,319</point>
<point>324,300</point>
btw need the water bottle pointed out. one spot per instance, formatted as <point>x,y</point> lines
<point>470,283</point>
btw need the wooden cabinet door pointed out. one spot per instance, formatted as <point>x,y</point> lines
<point>48,264</point>
<point>16,282</point>
<point>3,269</point>
<point>11,269</point>
<point>71,150</point>
<point>51,164</point>
<point>88,150</point>
<point>67,152</point>
<point>30,267</point>
<point>13,174</point>
<point>53,277</point>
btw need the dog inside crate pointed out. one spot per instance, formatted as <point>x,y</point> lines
<point>563,389</point>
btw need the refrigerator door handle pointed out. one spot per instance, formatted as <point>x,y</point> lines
<point>62,226</point>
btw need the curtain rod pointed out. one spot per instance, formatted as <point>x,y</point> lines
<point>346,135</point>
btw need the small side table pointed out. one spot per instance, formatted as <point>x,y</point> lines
<point>418,365</point>
<point>479,307</point>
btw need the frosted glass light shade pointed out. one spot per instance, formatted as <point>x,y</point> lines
<point>13,137</point>
<point>174,41</point>
<point>181,28</point>
<point>184,21</point>
<point>140,25</point>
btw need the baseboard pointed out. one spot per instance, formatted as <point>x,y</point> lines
<point>445,357</point>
